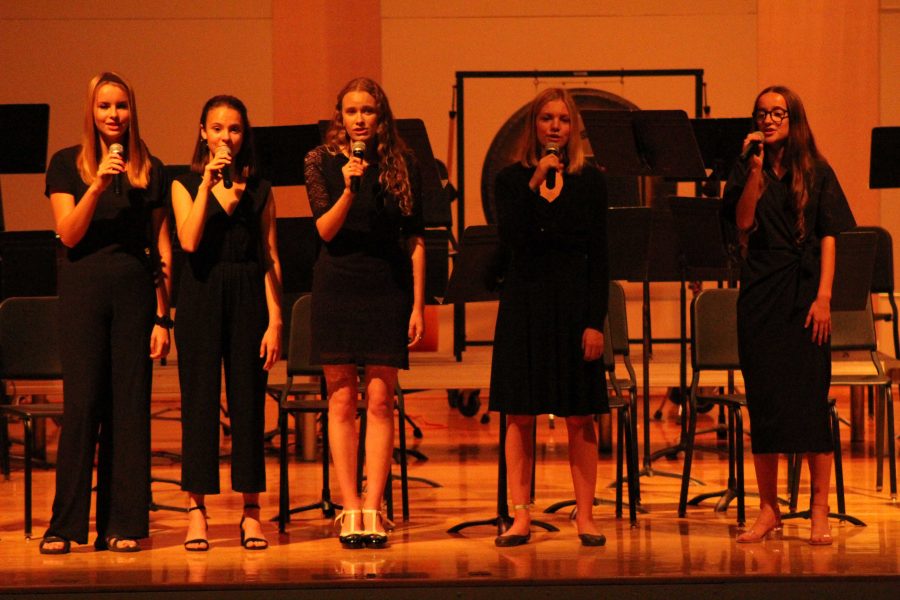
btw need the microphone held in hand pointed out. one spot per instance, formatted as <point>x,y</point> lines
<point>226,171</point>
<point>358,149</point>
<point>755,146</point>
<point>118,150</point>
<point>553,149</point>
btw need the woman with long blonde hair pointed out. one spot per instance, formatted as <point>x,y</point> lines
<point>368,288</point>
<point>108,196</point>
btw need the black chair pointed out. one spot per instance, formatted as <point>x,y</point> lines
<point>302,397</point>
<point>29,350</point>
<point>854,331</point>
<point>622,399</point>
<point>714,347</point>
<point>883,280</point>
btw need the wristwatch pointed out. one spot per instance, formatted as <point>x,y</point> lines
<point>164,321</point>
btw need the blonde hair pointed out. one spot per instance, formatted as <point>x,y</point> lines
<point>392,150</point>
<point>138,165</point>
<point>530,151</point>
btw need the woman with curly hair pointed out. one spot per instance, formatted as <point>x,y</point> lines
<point>368,288</point>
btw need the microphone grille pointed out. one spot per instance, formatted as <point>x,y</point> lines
<point>116,149</point>
<point>358,148</point>
<point>551,148</point>
<point>224,149</point>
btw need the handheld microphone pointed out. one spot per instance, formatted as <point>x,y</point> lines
<point>553,149</point>
<point>755,146</point>
<point>358,149</point>
<point>226,171</point>
<point>118,150</point>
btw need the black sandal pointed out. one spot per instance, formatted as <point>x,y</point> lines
<point>114,544</point>
<point>55,539</point>
<point>201,544</point>
<point>246,541</point>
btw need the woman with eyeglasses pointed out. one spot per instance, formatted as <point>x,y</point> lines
<point>788,207</point>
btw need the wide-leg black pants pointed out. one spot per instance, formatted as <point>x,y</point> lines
<point>222,318</point>
<point>106,307</point>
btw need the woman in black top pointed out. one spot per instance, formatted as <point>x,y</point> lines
<point>549,338</point>
<point>109,202</point>
<point>368,288</point>
<point>788,207</point>
<point>229,310</point>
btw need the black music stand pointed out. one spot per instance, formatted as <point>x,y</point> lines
<point>720,142</point>
<point>884,168</point>
<point>25,130</point>
<point>477,277</point>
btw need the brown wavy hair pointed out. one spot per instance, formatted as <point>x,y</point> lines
<point>245,161</point>
<point>391,148</point>
<point>529,151</point>
<point>800,152</point>
<point>137,167</point>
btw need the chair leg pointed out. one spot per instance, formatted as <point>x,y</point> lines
<point>838,459</point>
<point>880,426</point>
<point>632,466</point>
<point>738,433</point>
<point>404,473</point>
<point>284,508</point>
<point>688,454</point>
<point>620,441</point>
<point>891,440</point>
<point>327,504</point>
<point>29,441</point>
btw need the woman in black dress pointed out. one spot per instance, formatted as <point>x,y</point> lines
<point>109,202</point>
<point>549,338</point>
<point>788,207</point>
<point>368,288</point>
<point>229,311</point>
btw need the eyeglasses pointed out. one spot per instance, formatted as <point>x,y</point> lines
<point>778,115</point>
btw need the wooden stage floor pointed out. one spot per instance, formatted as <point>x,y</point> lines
<point>663,557</point>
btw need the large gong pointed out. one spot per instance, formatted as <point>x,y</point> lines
<point>622,191</point>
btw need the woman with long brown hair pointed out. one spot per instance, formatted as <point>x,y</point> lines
<point>368,288</point>
<point>551,215</point>
<point>788,207</point>
<point>109,202</point>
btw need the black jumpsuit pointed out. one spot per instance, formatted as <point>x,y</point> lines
<point>222,316</point>
<point>107,302</point>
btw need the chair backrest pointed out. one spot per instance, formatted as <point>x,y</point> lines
<point>298,358</point>
<point>29,338</point>
<point>714,342</point>
<point>618,320</point>
<point>853,329</point>
<point>883,271</point>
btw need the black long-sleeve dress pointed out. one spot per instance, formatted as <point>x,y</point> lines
<point>786,374</point>
<point>556,285</point>
<point>362,281</point>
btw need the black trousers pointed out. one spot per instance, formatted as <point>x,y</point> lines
<point>106,309</point>
<point>221,319</point>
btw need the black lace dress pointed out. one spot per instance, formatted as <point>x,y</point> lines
<point>362,281</point>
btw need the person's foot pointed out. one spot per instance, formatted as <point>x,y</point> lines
<point>54,544</point>
<point>820,530</point>
<point>195,539</point>
<point>768,520</point>
<point>588,532</point>
<point>252,537</point>
<point>518,533</point>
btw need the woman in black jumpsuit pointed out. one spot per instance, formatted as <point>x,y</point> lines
<point>368,288</point>
<point>788,207</point>
<point>229,310</point>
<point>549,338</point>
<point>109,204</point>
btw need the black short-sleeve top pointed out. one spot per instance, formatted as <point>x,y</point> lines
<point>121,223</point>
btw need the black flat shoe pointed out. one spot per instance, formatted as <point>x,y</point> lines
<point>260,543</point>
<point>511,540</point>
<point>197,544</point>
<point>373,539</point>
<point>55,539</point>
<point>353,540</point>
<point>588,539</point>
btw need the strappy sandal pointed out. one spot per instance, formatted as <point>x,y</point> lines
<point>115,544</point>
<point>375,540</point>
<point>197,544</point>
<point>261,543</point>
<point>55,539</point>
<point>354,539</point>
<point>817,514</point>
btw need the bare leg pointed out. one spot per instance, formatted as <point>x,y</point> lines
<point>250,521</point>
<point>519,460</point>
<point>583,463</point>
<point>342,382</point>
<point>769,515</point>
<point>196,522</point>
<point>820,480</point>
<point>380,385</point>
